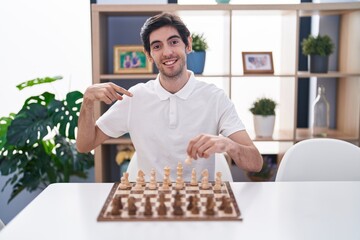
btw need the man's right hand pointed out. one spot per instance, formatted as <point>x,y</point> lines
<point>106,92</point>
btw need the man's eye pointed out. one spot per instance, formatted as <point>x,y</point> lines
<point>156,46</point>
<point>174,42</point>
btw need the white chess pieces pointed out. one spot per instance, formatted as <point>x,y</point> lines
<point>179,179</point>
<point>205,179</point>
<point>193,181</point>
<point>188,160</point>
<point>218,181</point>
<point>166,180</point>
<point>152,183</point>
<point>140,180</point>
<point>124,184</point>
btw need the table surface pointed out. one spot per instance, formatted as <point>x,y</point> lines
<point>271,210</point>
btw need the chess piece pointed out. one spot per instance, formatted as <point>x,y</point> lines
<point>223,204</point>
<point>188,160</point>
<point>140,179</point>
<point>116,206</point>
<point>210,204</point>
<point>167,179</point>
<point>178,211</point>
<point>205,179</point>
<point>191,203</point>
<point>126,179</point>
<point>218,181</point>
<point>131,206</point>
<point>228,209</point>
<point>162,209</point>
<point>195,209</point>
<point>152,183</point>
<point>124,182</point>
<point>193,181</point>
<point>148,207</point>
<point>179,179</point>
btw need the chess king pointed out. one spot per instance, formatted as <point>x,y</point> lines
<point>171,117</point>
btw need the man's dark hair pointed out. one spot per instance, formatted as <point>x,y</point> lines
<point>161,20</point>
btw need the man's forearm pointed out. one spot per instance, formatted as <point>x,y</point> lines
<point>247,158</point>
<point>85,141</point>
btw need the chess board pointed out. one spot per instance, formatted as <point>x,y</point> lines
<point>141,194</point>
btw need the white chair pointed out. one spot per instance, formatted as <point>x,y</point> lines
<point>2,225</point>
<point>221,165</point>
<point>320,159</point>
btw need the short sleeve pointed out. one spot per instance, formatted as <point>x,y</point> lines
<point>229,120</point>
<point>114,122</point>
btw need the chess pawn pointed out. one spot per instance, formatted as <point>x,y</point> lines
<point>205,179</point>
<point>218,181</point>
<point>124,182</point>
<point>140,178</point>
<point>167,176</point>
<point>152,183</point>
<point>193,181</point>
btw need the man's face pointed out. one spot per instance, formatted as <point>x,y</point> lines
<point>168,51</point>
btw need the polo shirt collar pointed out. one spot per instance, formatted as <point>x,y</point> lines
<point>184,93</point>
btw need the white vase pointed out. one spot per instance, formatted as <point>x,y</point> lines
<point>264,125</point>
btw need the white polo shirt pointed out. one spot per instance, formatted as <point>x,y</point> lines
<point>161,124</point>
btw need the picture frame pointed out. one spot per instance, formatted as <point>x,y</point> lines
<point>131,59</point>
<point>258,62</point>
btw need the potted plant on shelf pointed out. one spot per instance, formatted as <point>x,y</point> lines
<point>196,58</point>
<point>37,145</point>
<point>319,49</point>
<point>263,110</point>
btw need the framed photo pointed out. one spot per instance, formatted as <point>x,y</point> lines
<point>131,59</point>
<point>257,62</point>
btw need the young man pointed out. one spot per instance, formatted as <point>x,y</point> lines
<point>171,117</point>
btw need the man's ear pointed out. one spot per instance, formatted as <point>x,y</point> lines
<point>148,56</point>
<point>189,46</point>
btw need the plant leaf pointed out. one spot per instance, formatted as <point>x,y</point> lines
<point>65,113</point>
<point>29,126</point>
<point>4,124</point>
<point>37,81</point>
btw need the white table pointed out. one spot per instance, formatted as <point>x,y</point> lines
<point>271,210</point>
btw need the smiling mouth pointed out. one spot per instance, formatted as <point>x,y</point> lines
<point>170,62</point>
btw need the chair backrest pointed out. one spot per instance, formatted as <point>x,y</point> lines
<point>320,159</point>
<point>221,165</point>
<point>2,225</point>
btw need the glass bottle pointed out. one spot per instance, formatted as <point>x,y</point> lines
<point>320,118</point>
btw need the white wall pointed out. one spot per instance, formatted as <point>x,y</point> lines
<point>41,38</point>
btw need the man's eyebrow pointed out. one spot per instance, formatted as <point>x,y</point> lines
<point>169,38</point>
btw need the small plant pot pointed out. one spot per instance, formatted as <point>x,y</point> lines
<point>264,125</point>
<point>196,62</point>
<point>319,64</point>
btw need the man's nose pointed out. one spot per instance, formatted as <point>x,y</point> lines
<point>167,50</point>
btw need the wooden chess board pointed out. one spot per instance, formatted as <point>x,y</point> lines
<point>140,196</point>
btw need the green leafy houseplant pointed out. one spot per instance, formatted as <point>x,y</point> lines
<point>196,58</point>
<point>199,43</point>
<point>37,145</point>
<point>263,107</point>
<point>318,48</point>
<point>320,45</point>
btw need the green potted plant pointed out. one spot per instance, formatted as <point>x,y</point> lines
<point>263,110</point>
<point>196,59</point>
<point>37,144</point>
<point>319,49</point>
